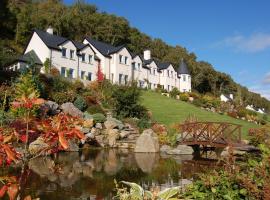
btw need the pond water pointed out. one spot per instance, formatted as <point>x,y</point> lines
<point>90,174</point>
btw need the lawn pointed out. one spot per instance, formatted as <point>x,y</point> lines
<point>168,111</point>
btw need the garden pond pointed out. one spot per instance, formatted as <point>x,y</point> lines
<point>91,174</point>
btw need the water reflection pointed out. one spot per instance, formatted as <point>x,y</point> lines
<point>91,173</point>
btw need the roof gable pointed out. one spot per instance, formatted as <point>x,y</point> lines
<point>30,57</point>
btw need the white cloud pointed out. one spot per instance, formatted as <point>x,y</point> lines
<point>251,44</point>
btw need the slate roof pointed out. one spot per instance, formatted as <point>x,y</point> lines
<point>162,66</point>
<point>30,57</point>
<point>53,41</point>
<point>183,68</point>
<point>104,48</point>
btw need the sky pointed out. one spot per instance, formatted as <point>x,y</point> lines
<point>232,35</point>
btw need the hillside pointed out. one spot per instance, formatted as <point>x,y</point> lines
<point>169,111</point>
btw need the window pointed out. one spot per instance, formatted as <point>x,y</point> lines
<point>184,77</point>
<point>83,57</point>
<point>89,77</point>
<point>83,75</point>
<point>168,73</point>
<point>189,79</point>
<point>126,60</point>
<point>141,84</point>
<point>70,73</point>
<point>126,79</point>
<point>154,71</point>
<point>112,76</point>
<point>168,88</point>
<point>139,66</point>
<point>172,74</point>
<point>154,85</point>
<point>71,54</point>
<point>134,66</point>
<point>150,85</point>
<point>90,57</point>
<point>120,58</point>
<point>120,78</point>
<point>63,71</point>
<point>64,52</point>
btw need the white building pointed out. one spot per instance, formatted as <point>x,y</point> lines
<point>119,65</point>
<point>226,98</point>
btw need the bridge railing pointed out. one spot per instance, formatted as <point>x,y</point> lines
<point>210,133</point>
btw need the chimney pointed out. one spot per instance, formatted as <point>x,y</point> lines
<point>147,55</point>
<point>50,30</point>
<point>231,96</point>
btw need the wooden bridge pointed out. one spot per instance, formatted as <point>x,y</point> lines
<point>210,134</point>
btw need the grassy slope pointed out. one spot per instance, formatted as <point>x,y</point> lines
<point>168,111</point>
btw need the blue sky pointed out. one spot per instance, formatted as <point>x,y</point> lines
<point>232,35</point>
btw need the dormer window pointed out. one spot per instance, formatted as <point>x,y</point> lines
<point>64,52</point>
<point>83,57</point>
<point>126,60</point>
<point>71,54</point>
<point>90,57</point>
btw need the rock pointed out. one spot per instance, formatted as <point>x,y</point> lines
<point>52,107</point>
<point>37,146</point>
<point>147,142</point>
<point>112,123</point>
<point>95,131</point>
<point>180,150</point>
<point>98,125</point>
<point>100,140</point>
<point>124,134</point>
<point>88,123</point>
<point>190,99</point>
<point>113,135</point>
<point>72,110</point>
<point>165,148</point>
<point>85,130</point>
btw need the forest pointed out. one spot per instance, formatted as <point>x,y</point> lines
<point>18,18</point>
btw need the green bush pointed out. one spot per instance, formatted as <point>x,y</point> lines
<point>94,108</point>
<point>184,96</point>
<point>80,103</point>
<point>174,92</point>
<point>143,123</point>
<point>126,101</point>
<point>61,84</point>
<point>63,97</point>
<point>198,102</point>
<point>99,118</point>
<point>242,112</point>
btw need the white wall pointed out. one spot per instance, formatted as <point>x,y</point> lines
<point>118,67</point>
<point>140,73</point>
<point>185,83</point>
<point>223,98</point>
<point>171,81</point>
<point>154,75</point>
<point>86,66</point>
<point>36,44</point>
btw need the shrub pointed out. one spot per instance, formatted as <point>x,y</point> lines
<point>174,92</point>
<point>232,114</point>
<point>80,103</point>
<point>198,102</point>
<point>144,123</point>
<point>92,109</point>
<point>54,71</point>
<point>184,96</point>
<point>77,86</point>
<point>242,112</point>
<point>63,97</point>
<point>61,84</point>
<point>126,101</point>
<point>99,118</point>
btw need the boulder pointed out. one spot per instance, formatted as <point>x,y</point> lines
<point>72,110</point>
<point>112,123</point>
<point>147,142</point>
<point>88,123</point>
<point>52,107</point>
<point>37,146</point>
<point>100,140</point>
<point>98,125</point>
<point>113,135</point>
<point>165,148</point>
<point>124,134</point>
<point>181,150</point>
<point>95,131</point>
